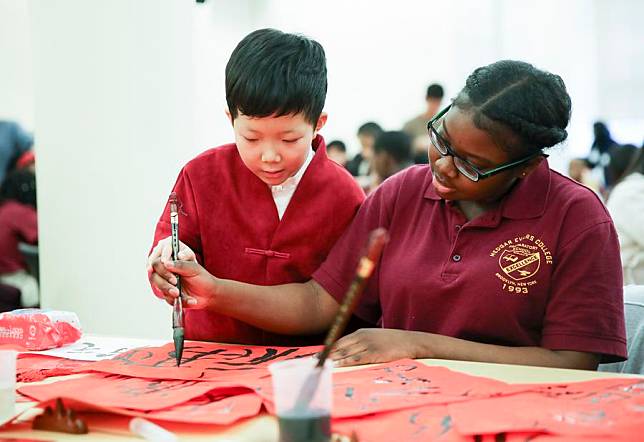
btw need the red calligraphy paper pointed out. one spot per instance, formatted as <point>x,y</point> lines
<point>120,391</point>
<point>608,407</point>
<point>407,383</point>
<point>201,361</point>
<point>207,409</point>
<point>432,423</point>
<point>32,368</point>
<point>400,384</point>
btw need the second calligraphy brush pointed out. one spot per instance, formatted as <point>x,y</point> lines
<point>377,240</point>
<point>177,308</point>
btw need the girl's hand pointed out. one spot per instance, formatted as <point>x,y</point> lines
<point>373,345</point>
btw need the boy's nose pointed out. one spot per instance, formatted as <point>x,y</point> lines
<point>270,155</point>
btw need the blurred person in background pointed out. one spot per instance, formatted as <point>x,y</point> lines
<point>27,161</point>
<point>392,153</point>
<point>626,206</point>
<point>622,163</point>
<point>14,142</point>
<point>599,157</point>
<point>336,150</point>
<point>581,171</point>
<point>416,128</point>
<point>360,165</point>
<point>18,223</point>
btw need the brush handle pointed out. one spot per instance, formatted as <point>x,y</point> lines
<point>377,240</point>
<point>177,313</point>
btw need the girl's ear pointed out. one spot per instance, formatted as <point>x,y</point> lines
<point>530,166</point>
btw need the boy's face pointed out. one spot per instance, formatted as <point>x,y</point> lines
<point>274,148</point>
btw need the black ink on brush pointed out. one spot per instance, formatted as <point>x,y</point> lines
<point>177,309</point>
<point>377,240</point>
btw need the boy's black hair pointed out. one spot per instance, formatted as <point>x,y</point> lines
<point>434,90</point>
<point>396,143</point>
<point>19,185</point>
<point>513,95</point>
<point>370,128</point>
<point>337,144</point>
<point>274,73</point>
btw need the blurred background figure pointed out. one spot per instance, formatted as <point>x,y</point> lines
<point>337,151</point>
<point>360,165</point>
<point>623,162</point>
<point>14,142</point>
<point>18,224</point>
<point>27,161</point>
<point>416,128</point>
<point>581,171</point>
<point>392,153</point>
<point>599,156</point>
<point>626,206</point>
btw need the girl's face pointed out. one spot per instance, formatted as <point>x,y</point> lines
<point>480,149</point>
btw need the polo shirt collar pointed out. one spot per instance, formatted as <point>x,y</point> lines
<point>527,199</point>
<point>430,191</point>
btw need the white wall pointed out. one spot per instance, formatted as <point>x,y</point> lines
<point>113,117</point>
<point>16,80</point>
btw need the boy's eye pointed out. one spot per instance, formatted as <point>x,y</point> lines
<point>292,141</point>
<point>250,140</point>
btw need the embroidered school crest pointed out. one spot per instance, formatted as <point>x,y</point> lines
<point>520,262</point>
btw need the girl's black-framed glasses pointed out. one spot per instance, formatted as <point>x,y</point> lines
<point>465,167</point>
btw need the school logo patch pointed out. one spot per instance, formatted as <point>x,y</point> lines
<point>519,262</point>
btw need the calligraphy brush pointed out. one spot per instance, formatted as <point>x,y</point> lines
<point>377,240</point>
<point>177,308</point>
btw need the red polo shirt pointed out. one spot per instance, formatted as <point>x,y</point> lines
<point>543,269</point>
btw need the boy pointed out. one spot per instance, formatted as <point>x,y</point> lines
<point>267,209</point>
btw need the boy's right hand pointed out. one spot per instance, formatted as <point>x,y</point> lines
<point>158,274</point>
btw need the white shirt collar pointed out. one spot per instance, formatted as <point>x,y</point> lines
<point>282,193</point>
<point>292,182</point>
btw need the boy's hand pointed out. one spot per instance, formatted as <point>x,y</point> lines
<point>161,279</point>
<point>197,284</point>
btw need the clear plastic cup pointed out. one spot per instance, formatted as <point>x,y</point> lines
<point>7,385</point>
<point>303,399</point>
